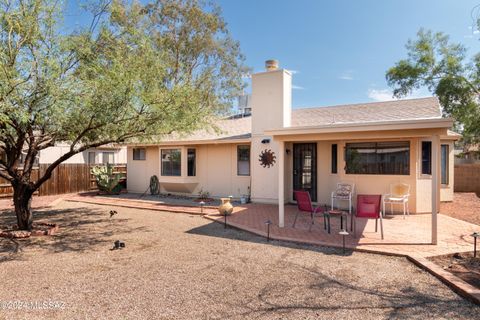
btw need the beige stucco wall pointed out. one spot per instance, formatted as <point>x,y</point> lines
<point>216,171</point>
<point>420,186</point>
<point>140,171</point>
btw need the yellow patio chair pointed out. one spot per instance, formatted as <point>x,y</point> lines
<point>399,194</point>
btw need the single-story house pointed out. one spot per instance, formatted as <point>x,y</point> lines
<point>277,149</point>
<point>113,154</point>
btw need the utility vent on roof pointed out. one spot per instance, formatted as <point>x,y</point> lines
<point>244,107</point>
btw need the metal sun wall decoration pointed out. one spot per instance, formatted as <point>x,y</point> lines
<point>267,158</point>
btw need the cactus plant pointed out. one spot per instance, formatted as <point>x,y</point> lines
<point>107,180</point>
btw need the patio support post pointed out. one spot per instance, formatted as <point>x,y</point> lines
<point>435,184</point>
<point>281,184</point>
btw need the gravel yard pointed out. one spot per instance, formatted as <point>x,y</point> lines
<point>177,266</point>
<point>465,206</point>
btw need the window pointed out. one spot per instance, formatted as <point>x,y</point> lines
<point>391,157</point>
<point>243,160</point>
<point>191,165</point>
<point>426,157</point>
<point>139,154</point>
<point>171,162</point>
<point>444,163</point>
<point>107,157</point>
<point>334,158</point>
<point>91,157</point>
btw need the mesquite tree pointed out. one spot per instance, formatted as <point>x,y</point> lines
<point>443,67</point>
<point>136,71</point>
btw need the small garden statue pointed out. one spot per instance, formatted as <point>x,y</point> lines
<point>154,185</point>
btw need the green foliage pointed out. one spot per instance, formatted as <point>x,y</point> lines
<point>436,63</point>
<point>138,71</point>
<point>106,179</point>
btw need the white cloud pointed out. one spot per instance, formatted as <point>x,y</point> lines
<point>380,94</point>
<point>473,30</point>
<point>294,87</point>
<point>347,75</point>
<point>294,71</point>
<point>387,95</point>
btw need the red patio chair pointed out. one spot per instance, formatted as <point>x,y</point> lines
<point>304,204</point>
<point>368,207</point>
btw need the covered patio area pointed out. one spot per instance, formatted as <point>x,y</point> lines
<point>372,158</point>
<point>405,237</point>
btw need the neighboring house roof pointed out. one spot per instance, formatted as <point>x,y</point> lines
<point>240,128</point>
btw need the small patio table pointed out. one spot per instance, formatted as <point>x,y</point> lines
<point>336,213</point>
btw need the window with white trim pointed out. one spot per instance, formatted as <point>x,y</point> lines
<point>171,162</point>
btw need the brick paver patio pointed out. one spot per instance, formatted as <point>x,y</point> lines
<point>406,237</point>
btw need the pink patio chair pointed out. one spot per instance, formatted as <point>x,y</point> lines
<point>304,204</point>
<point>368,207</point>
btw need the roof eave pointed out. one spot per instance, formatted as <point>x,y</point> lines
<point>190,142</point>
<point>372,126</point>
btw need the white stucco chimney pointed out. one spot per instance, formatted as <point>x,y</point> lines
<point>271,98</point>
<point>271,109</point>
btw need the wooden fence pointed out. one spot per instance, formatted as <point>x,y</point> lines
<point>467,177</point>
<point>66,178</point>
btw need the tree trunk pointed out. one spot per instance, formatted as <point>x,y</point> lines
<point>22,199</point>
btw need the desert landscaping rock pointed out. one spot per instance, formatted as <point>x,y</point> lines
<point>180,266</point>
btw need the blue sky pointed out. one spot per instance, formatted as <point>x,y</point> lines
<point>338,49</point>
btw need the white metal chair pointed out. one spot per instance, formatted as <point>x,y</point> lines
<point>344,192</point>
<point>399,194</point>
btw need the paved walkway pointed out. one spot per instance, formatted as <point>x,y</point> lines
<point>140,204</point>
<point>406,237</point>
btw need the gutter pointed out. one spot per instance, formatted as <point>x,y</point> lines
<point>372,126</point>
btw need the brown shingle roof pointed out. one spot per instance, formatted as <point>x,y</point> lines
<point>398,110</point>
<point>411,109</point>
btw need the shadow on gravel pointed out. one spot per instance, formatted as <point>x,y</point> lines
<point>215,229</point>
<point>399,303</point>
<point>403,303</point>
<point>80,229</point>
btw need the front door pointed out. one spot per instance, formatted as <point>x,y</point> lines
<point>305,168</point>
